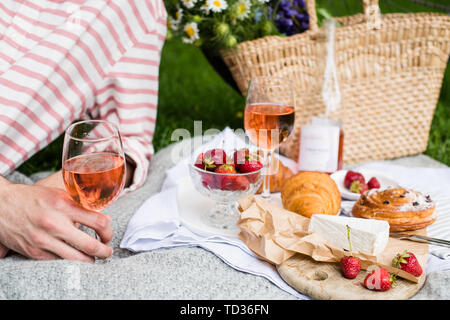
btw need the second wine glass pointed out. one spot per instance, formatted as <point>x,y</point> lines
<point>269,117</point>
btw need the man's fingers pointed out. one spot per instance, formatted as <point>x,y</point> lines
<point>66,251</point>
<point>87,244</point>
<point>97,221</point>
<point>36,253</point>
<point>45,255</point>
<point>3,251</point>
<point>55,245</point>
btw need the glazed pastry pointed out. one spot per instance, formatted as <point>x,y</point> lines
<point>403,209</point>
<point>309,193</point>
<point>280,174</point>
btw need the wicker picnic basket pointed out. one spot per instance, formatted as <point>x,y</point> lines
<point>389,68</point>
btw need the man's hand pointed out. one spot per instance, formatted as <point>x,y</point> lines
<point>40,223</point>
<point>3,251</point>
<point>55,180</point>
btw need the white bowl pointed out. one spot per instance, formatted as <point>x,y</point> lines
<point>384,180</point>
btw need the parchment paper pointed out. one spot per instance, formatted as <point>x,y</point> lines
<point>276,234</point>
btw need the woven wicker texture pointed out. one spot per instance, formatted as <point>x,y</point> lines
<point>389,77</point>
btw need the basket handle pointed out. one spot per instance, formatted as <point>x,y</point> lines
<point>371,10</point>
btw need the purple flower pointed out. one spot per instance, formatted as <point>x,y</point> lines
<point>291,17</point>
<point>304,25</point>
<point>289,13</point>
<point>285,4</point>
<point>300,3</point>
<point>288,23</point>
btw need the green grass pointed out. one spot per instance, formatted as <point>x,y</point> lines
<point>191,90</point>
<point>439,140</point>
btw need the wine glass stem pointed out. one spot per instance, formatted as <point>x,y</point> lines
<point>266,185</point>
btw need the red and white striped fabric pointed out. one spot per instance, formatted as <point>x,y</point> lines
<point>78,59</point>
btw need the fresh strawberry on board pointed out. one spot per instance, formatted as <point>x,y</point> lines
<point>214,158</point>
<point>408,262</point>
<point>350,265</point>
<point>373,183</point>
<point>379,280</point>
<point>353,176</point>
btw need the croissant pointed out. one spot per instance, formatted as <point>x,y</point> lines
<point>278,175</point>
<point>404,209</point>
<point>309,193</point>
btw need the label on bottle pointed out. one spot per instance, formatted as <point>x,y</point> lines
<point>319,148</point>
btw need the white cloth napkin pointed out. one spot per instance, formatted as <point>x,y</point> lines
<point>157,224</point>
<point>430,181</point>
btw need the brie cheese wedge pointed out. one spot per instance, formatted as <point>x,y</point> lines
<point>367,236</point>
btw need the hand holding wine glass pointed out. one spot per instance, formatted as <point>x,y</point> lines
<point>41,223</point>
<point>93,164</point>
<point>269,117</point>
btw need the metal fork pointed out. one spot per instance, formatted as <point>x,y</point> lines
<point>417,238</point>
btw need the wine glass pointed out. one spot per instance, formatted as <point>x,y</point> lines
<point>269,117</point>
<point>93,164</point>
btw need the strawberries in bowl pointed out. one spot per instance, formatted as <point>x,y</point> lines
<point>214,158</point>
<point>237,170</point>
<point>224,176</point>
<point>227,178</point>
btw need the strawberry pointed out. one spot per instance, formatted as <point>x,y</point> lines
<point>230,161</point>
<point>373,183</point>
<point>214,158</point>
<point>240,183</point>
<point>226,168</point>
<point>209,181</point>
<point>364,188</point>
<point>408,262</point>
<point>379,280</point>
<point>250,165</point>
<point>350,265</point>
<point>352,176</point>
<point>199,161</point>
<point>225,181</point>
<point>240,156</point>
<point>358,187</point>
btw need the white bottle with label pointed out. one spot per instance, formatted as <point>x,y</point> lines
<point>321,146</point>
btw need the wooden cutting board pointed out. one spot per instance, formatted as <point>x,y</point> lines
<point>324,281</point>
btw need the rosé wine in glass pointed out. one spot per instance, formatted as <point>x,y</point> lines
<point>94,180</point>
